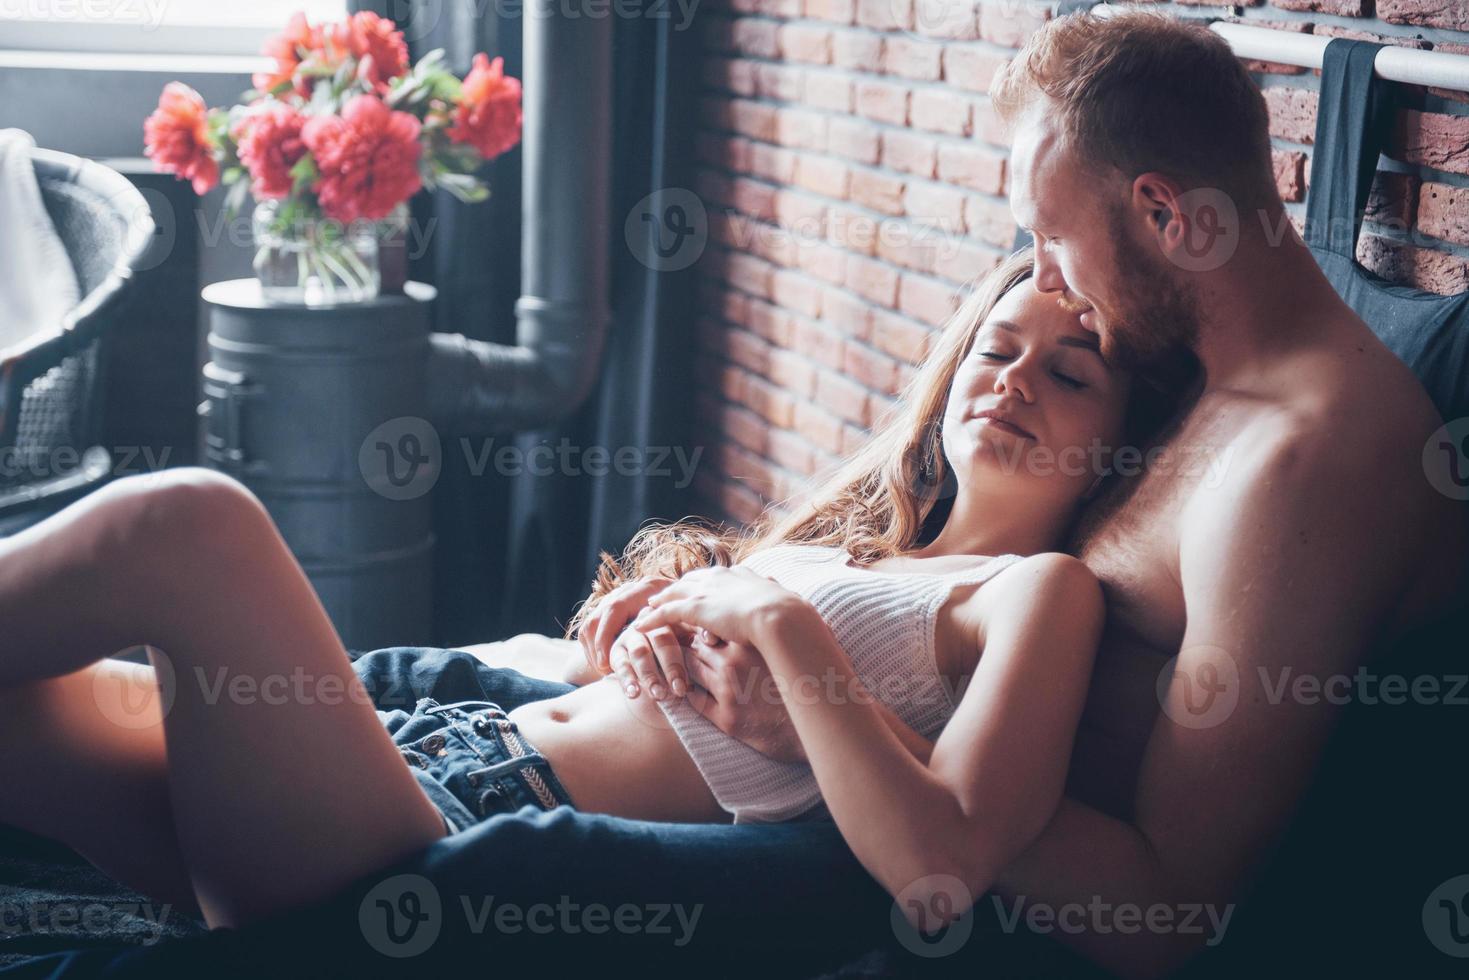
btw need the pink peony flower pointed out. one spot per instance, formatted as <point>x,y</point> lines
<point>367,158</point>
<point>269,145</point>
<point>365,35</point>
<point>289,48</point>
<point>176,137</point>
<point>488,115</point>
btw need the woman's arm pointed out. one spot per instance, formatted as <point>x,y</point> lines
<point>535,655</point>
<point>997,771</point>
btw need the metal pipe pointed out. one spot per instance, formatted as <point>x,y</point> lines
<point>1394,64</point>
<point>562,315</point>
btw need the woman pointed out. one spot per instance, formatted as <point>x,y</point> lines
<point>215,794</point>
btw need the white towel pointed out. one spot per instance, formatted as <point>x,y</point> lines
<point>38,285</point>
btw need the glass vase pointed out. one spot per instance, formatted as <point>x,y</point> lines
<point>303,258</point>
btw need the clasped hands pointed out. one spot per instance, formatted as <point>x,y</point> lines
<point>694,637</point>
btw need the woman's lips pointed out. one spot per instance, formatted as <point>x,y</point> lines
<point>1006,426</point>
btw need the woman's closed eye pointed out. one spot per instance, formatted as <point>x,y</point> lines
<point>1061,376</point>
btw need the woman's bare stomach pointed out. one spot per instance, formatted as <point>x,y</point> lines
<point>618,755</point>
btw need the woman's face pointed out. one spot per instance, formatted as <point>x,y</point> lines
<point>1036,366</point>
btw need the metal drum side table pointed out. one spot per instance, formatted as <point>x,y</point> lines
<point>321,412</point>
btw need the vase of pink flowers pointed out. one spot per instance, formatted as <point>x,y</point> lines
<point>332,142</point>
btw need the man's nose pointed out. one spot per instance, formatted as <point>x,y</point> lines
<point>1048,278</point>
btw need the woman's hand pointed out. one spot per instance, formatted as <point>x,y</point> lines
<point>732,603</point>
<point>600,630</point>
<point>653,662</point>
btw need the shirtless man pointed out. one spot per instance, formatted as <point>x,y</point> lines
<point>1289,523</point>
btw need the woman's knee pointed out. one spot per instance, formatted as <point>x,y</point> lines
<point>187,509</point>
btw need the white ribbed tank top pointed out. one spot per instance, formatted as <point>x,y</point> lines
<point>884,621</point>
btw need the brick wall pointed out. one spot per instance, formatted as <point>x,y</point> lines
<point>855,178</point>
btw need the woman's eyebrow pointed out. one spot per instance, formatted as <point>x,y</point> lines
<point>1090,343</point>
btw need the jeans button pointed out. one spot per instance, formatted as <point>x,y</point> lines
<point>433,744</point>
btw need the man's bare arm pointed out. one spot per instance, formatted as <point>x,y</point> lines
<point>1277,572</point>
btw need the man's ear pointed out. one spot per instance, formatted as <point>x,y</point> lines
<point>1155,195</point>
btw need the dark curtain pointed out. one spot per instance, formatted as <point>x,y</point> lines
<point>516,550</point>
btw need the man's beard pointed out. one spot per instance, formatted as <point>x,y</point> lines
<point>1154,314</point>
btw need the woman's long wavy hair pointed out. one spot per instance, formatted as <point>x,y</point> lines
<point>897,490</point>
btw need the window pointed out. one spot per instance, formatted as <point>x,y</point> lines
<point>223,27</point>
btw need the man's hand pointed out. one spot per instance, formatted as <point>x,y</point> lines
<point>601,629</point>
<point>735,691</point>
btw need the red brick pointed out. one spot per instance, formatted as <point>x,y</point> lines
<point>823,90</point>
<point>990,220</point>
<point>1292,113</point>
<point>940,111</point>
<point>734,306</point>
<point>1290,177</point>
<point>852,229</point>
<point>823,175</point>
<point>1342,8</point>
<point>904,339</point>
<point>836,11</point>
<point>842,396</point>
<point>821,260</point>
<point>754,198</point>
<point>752,471</point>
<point>1451,15</point>
<point>971,68</point>
<point>854,438</point>
<point>1352,34</point>
<point>788,449</point>
<point>987,124</point>
<point>854,139</point>
<point>911,58</point>
<point>909,153</point>
<point>885,15</point>
<point>804,213</point>
<point>1443,212</point>
<point>747,350</point>
<point>972,166</point>
<point>871,368</point>
<point>744,427</point>
<point>773,163</point>
<point>796,292</point>
<point>935,204</point>
<point>877,191</point>
<point>732,501</point>
<point>905,244</point>
<point>1009,24</point>
<point>750,274</point>
<point>792,372</point>
<point>883,101</point>
<point>926,300</point>
<point>952,20</point>
<point>857,50</point>
<point>1393,200</point>
<point>872,280</point>
<point>756,38</point>
<point>809,43</point>
<point>820,427</point>
<point>1425,268</point>
<point>756,120</point>
<point>779,82</point>
<point>846,313</point>
<point>733,381</point>
<point>714,189</point>
<point>819,342</point>
<point>771,402</point>
<point>1434,140</point>
<point>770,322</point>
<point>801,128</point>
<point>962,261</point>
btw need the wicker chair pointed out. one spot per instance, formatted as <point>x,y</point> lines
<point>51,443</point>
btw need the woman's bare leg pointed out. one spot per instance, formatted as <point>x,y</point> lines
<point>85,765</point>
<point>284,785</point>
